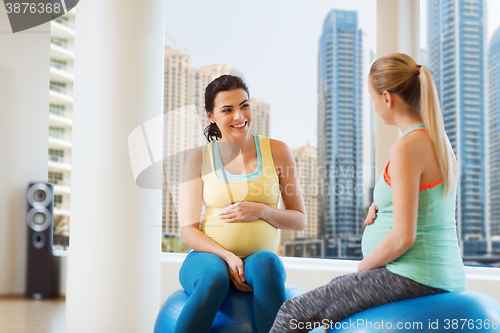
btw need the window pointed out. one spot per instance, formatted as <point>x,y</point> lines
<point>55,178</point>
<point>56,132</point>
<point>62,42</point>
<point>294,58</point>
<point>458,37</point>
<point>58,86</point>
<point>63,20</point>
<point>60,64</point>
<point>56,155</point>
<point>57,200</point>
<point>57,109</point>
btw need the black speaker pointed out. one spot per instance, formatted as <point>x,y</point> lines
<point>41,277</point>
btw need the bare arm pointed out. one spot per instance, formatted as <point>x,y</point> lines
<point>286,219</point>
<point>293,217</point>
<point>405,179</point>
<point>192,196</point>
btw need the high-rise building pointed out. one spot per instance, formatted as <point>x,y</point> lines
<point>185,89</point>
<point>494,140</point>
<point>306,158</point>
<point>340,139</point>
<point>424,57</point>
<point>261,121</point>
<point>62,56</point>
<point>456,58</point>
<point>180,132</point>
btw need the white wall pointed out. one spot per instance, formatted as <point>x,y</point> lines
<point>24,126</point>
<point>309,274</point>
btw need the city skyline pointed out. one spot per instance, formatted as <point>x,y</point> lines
<point>456,54</point>
<point>340,135</point>
<point>480,221</point>
<point>275,49</point>
<point>254,46</point>
<point>58,131</point>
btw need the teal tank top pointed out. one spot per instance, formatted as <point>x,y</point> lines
<point>222,173</point>
<point>434,259</point>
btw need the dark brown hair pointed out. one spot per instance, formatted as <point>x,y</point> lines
<point>222,83</point>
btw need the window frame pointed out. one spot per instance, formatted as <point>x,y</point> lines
<point>400,20</point>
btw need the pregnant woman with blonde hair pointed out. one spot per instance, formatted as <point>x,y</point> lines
<point>411,248</point>
<point>238,178</point>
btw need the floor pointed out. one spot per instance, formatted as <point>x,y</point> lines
<point>23,315</point>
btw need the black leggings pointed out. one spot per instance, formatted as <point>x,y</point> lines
<point>346,295</point>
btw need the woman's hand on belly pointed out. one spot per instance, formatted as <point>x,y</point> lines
<point>237,272</point>
<point>242,211</point>
<point>372,214</point>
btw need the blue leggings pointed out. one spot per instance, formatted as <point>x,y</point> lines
<point>205,277</point>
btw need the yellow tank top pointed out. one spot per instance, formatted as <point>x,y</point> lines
<point>241,238</point>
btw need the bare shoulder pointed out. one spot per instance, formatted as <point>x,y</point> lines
<point>415,148</point>
<point>279,149</point>
<point>282,155</point>
<point>277,146</point>
<point>194,161</point>
<point>195,154</point>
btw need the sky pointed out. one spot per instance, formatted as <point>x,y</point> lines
<point>274,44</point>
<point>493,18</point>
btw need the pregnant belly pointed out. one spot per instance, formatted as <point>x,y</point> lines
<point>374,233</point>
<point>242,238</point>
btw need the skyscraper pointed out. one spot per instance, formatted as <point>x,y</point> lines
<point>494,138</point>
<point>340,139</point>
<point>62,57</point>
<point>456,58</point>
<point>306,158</point>
<point>179,133</point>
<point>261,121</point>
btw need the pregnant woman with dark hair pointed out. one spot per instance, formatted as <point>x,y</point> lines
<point>238,177</point>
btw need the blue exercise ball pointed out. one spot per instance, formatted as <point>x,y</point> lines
<point>467,311</point>
<point>235,315</point>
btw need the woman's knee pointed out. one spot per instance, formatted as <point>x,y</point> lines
<point>265,263</point>
<point>206,270</point>
<point>215,278</point>
<point>267,260</point>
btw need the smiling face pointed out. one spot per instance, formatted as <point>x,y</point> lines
<point>232,113</point>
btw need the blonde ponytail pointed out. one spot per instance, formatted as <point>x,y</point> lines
<point>399,73</point>
<point>433,121</point>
